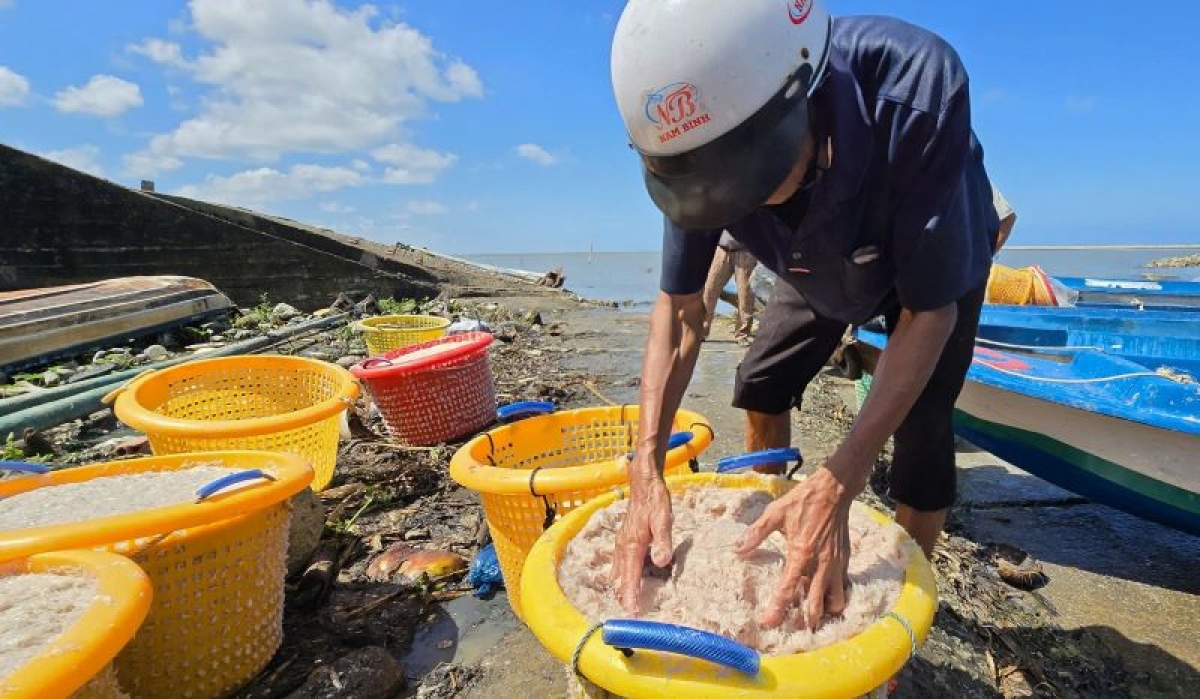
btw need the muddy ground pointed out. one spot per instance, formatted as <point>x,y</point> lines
<point>354,627</point>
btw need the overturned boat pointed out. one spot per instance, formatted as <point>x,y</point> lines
<point>42,325</point>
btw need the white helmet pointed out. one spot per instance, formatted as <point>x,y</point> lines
<point>714,95</point>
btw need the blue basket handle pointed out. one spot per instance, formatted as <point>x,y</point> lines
<point>523,409</point>
<point>207,491</point>
<point>630,634</point>
<point>676,440</point>
<point>28,467</point>
<point>758,458</point>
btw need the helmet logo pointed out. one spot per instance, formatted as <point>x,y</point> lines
<point>675,109</point>
<point>798,10</point>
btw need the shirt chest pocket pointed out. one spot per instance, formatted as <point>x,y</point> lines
<point>867,278</point>
<point>844,285</point>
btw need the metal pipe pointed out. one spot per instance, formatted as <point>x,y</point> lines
<point>38,411</point>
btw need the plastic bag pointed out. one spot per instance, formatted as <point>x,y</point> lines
<point>1063,296</point>
<point>467,325</point>
<point>484,573</point>
<point>762,283</point>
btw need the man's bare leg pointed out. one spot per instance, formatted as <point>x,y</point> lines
<point>767,431</point>
<point>923,527</point>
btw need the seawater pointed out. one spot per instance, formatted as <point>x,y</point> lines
<point>632,277</point>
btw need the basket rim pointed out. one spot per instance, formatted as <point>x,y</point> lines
<point>291,472</point>
<point>130,410</point>
<point>481,476</point>
<point>78,654</point>
<point>851,667</point>
<point>468,343</point>
<point>368,324</point>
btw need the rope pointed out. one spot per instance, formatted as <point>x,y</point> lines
<point>1035,348</point>
<point>694,464</point>
<point>912,635</point>
<point>491,449</point>
<point>1177,378</point>
<point>705,425</point>
<point>550,514</point>
<point>587,635</point>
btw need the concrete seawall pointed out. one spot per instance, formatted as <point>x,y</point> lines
<point>61,226</point>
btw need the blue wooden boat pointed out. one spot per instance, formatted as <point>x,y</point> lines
<point>1152,338</point>
<point>1118,423</point>
<point>1136,293</point>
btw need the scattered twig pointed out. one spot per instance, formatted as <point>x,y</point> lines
<point>591,387</point>
<point>368,608</point>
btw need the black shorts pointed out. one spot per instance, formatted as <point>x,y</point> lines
<point>794,342</point>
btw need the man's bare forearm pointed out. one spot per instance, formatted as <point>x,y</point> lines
<point>670,358</point>
<point>904,368</point>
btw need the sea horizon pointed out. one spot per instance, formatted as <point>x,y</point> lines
<point>631,277</point>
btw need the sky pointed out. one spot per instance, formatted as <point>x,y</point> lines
<point>485,127</point>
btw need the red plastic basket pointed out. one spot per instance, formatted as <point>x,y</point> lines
<point>433,392</point>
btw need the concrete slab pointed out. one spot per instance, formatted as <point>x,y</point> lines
<point>1132,581</point>
<point>984,479</point>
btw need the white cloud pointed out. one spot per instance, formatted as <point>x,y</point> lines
<point>427,207</point>
<point>85,158</point>
<point>165,52</point>
<point>360,164</point>
<point>252,187</point>
<point>534,152</point>
<point>464,78</point>
<point>148,164</point>
<point>333,207</point>
<point>1081,104</point>
<point>14,88</point>
<point>103,95</point>
<point>408,164</point>
<point>288,76</point>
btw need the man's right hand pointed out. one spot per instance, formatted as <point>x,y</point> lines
<point>671,352</point>
<point>647,528</point>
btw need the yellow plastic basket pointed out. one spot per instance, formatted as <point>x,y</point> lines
<point>386,333</point>
<point>259,402</point>
<point>217,567</point>
<point>851,668</point>
<point>78,662</point>
<point>530,472</point>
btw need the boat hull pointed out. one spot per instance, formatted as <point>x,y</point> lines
<point>40,325</point>
<point>1145,471</point>
<point>1132,444</point>
<point>1134,293</point>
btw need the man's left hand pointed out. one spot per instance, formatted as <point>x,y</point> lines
<point>814,517</point>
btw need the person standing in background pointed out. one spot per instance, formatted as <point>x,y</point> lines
<point>1006,214</point>
<point>731,259</point>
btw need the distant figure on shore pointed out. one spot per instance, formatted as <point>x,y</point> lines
<point>1006,214</point>
<point>553,279</point>
<point>731,260</point>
